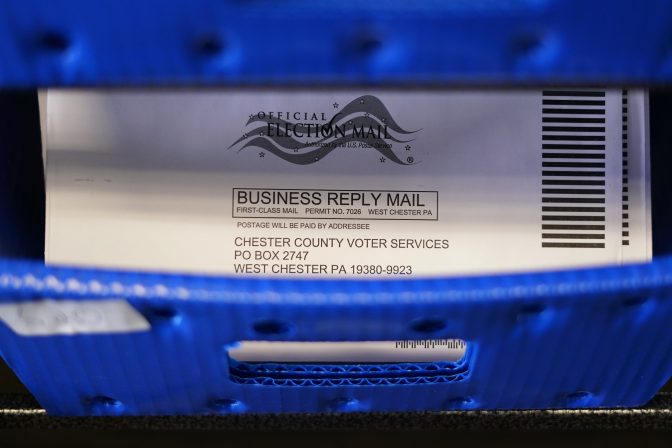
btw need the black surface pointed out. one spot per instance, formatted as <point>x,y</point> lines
<point>343,439</point>
<point>660,124</point>
<point>23,424</point>
<point>22,205</point>
<point>21,412</point>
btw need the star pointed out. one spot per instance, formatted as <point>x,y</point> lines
<point>261,133</point>
<point>382,160</point>
<point>366,114</point>
<point>408,147</point>
<point>251,116</point>
<point>317,158</point>
<point>350,122</point>
<point>383,119</point>
<point>335,105</point>
<point>261,154</point>
<point>361,101</point>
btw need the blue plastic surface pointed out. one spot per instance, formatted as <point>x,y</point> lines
<point>485,42</point>
<point>569,339</point>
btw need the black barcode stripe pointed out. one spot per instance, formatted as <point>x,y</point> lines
<point>583,93</point>
<point>577,146</point>
<point>572,236</point>
<point>568,245</point>
<point>576,152</point>
<point>573,102</point>
<point>568,111</point>
<point>573,173</point>
<point>625,241</point>
<point>572,155</point>
<point>575,182</point>
<point>573,164</point>
<point>572,209</point>
<point>572,227</point>
<point>572,191</point>
<point>572,129</point>
<point>572,120</point>
<point>572,218</point>
<point>574,138</point>
<point>572,200</point>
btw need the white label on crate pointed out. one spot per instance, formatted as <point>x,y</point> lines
<point>347,183</point>
<point>423,350</point>
<point>51,317</point>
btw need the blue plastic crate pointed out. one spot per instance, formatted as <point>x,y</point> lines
<point>583,338</point>
<point>404,42</point>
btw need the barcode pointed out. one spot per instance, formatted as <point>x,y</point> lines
<point>431,343</point>
<point>573,168</point>
<point>625,212</point>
